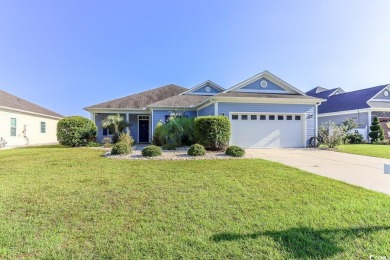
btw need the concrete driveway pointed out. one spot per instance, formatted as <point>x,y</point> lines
<point>358,170</point>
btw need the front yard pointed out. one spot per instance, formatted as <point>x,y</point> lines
<point>374,150</point>
<point>73,203</point>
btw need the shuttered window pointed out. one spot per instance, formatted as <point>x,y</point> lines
<point>13,126</point>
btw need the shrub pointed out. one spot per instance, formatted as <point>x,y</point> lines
<point>157,136</point>
<point>94,144</point>
<point>377,133</point>
<point>151,151</point>
<point>354,138</point>
<point>331,134</point>
<point>213,132</point>
<point>168,147</point>
<point>75,131</point>
<point>121,148</point>
<point>235,151</point>
<point>116,124</point>
<point>126,138</point>
<point>177,131</point>
<point>196,150</point>
<point>107,142</point>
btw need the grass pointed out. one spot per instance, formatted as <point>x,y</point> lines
<point>72,203</point>
<point>374,150</point>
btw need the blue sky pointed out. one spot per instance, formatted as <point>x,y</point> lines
<point>66,55</point>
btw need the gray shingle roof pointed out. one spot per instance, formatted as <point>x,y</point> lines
<point>143,99</point>
<point>181,101</point>
<point>11,101</point>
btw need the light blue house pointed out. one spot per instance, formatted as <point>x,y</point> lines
<point>265,111</point>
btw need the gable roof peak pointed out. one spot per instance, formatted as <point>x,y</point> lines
<point>207,82</point>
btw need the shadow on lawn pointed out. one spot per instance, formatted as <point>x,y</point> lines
<point>303,242</point>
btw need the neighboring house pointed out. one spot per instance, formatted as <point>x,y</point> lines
<point>361,105</point>
<point>264,111</point>
<point>25,123</point>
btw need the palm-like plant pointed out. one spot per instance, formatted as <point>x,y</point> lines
<point>116,124</point>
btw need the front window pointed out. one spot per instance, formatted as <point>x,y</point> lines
<point>13,126</point>
<point>106,131</point>
<point>43,127</point>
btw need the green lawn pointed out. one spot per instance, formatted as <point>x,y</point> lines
<point>375,150</point>
<point>72,203</point>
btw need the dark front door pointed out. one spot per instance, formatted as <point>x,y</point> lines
<point>143,131</point>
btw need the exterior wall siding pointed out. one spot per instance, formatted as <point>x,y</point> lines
<point>203,90</point>
<point>225,108</point>
<point>361,119</point>
<point>382,96</point>
<point>207,111</point>
<point>256,86</point>
<point>32,125</point>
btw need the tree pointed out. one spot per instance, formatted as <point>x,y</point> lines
<point>116,124</point>
<point>377,132</point>
<point>75,131</point>
<point>332,134</point>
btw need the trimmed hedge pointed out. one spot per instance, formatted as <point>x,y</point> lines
<point>235,151</point>
<point>75,131</point>
<point>151,151</point>
<point>213,132</point>
<point>121,148</point>
<point>196,150</point>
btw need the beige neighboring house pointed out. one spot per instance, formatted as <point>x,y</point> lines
<point>25,123</point>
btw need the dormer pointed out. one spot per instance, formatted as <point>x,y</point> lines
<point>207,88</point>
<point>266,83</point>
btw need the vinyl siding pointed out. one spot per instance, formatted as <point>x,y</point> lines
<point>226,108</point>
<point>203,90</point>
<point>207,111</point>
<point>382,96</point>
<point>256,86</point>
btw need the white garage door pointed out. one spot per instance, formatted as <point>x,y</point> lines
<point>256,130</point>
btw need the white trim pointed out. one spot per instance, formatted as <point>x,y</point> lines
<point>208,82</point>
<point>316,124</point>
<point>148,127</point>
<point>202,94</point>
<point>216,109</point>
<point>206,104</point>
<point>152,123</point>
<point>271,77</point>
<point>379,100</point>
<point>118,111</point>
<point>369,118</point>
<point>346,112</point>
<point>28,112</point>
<point>386,87</point>
<point>276,91</point>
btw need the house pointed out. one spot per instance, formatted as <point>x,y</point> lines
<point>361,105</point>
<point>25,123</point>
<point>265,111</point>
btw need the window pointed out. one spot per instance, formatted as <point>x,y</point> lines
<point>263,117</point>
<point>244,117</point>
<point>271,117</point>
<point>43,127</point>
<point>106,131</point>
<point>280,117</point>
<point>13,126</point>
<point>297,117</point>
<point>253,117</point>
<point>234,117</point>
<point>289,117</point>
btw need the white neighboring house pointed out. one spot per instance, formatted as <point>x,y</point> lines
<point>25,123</point>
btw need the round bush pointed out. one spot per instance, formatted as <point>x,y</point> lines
<point>196,150</point>
<point>151,151</point>
<point>213,132</point>
<point>235,151</point>
<point>121,148</point>
<point>75,131</point>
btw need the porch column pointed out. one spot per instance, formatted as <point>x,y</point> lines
<point>127,120</point>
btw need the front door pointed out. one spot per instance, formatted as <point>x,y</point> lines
<point>143,129</point>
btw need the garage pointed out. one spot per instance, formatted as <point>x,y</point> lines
<point>267,130</point>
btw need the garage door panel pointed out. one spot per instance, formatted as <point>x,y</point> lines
<point>267,133</point>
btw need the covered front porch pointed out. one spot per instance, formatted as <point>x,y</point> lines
<point>140,125</point>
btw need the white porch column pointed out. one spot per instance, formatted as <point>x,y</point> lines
<point>127,120</point>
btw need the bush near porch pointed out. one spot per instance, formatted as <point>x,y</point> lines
<point>213,132</point>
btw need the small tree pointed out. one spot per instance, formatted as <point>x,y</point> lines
<point>116,124</point>
<point>332,134</point>
<point>377,132</point>
<point>75,131</point>
<point>348,125</point>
